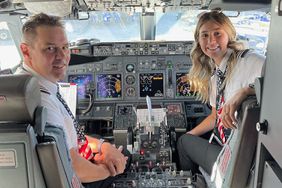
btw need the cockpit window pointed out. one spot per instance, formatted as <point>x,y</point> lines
<point>176,26</point>
<point>9,56</point>
<point>252,27</point>
<point>105,27</point>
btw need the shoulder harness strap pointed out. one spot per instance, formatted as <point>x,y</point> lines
<point>242,53</point>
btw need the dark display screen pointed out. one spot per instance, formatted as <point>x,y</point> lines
<point>109,86</point>
<point>81,80</point>
<point>182,86</point>
<point>151,84</point>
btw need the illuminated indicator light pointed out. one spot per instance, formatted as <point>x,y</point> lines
<point>142,152</point>
<point>157,78</point>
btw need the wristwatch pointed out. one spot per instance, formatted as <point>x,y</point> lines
<point>101,141</point>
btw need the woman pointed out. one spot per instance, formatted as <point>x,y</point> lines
<point>221,73</point>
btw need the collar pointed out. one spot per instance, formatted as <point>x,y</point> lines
<point>50,86</point>
<point>223,64</point>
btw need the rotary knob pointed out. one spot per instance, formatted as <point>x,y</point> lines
<point>262,127</point>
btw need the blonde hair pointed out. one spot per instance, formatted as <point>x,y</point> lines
<point>202,65</point>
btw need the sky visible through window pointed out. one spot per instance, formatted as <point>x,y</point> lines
<point>9,56</point>
<point>252,27</point>
<point>171,26</point>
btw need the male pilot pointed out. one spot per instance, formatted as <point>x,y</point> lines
<point>46,55</point>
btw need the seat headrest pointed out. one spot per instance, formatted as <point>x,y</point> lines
<point>19,97</point>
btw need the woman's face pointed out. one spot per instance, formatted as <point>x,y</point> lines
<point>213,40</point>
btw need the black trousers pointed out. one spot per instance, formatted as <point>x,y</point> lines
<point>106,183</point>
<point>195,151</point>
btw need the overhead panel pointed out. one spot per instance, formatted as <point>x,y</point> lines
<point>145,5</point>
<point>66,7</point>
<point>52,7</point>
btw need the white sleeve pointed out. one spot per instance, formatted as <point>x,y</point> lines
<point>54,117</point>
<point>244,73</point>
<point>256,62</point>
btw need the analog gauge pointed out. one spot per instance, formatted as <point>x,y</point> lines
<point>145,144</point>
<point>130,79</point>
<point>130,92</point>
<point>154,144</point>
<point>130,67</point>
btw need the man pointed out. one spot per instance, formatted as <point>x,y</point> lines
<point>46,55</point>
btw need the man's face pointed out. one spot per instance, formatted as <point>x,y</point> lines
<point>48,54</point>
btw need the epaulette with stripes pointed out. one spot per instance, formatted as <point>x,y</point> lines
<point>44,90</point>
<point>242,53</point>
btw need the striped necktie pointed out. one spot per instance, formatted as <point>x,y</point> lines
<point>219,103</point>
<point>83,145</point>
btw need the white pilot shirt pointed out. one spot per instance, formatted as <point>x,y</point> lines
<point>57,115</point>
<point>246,70</point>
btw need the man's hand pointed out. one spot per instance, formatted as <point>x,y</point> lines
<point>86,170</point>
<point>112,158</point>
<point>104,170</point>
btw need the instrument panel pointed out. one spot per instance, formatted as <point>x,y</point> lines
<point>114,87</point>
<point>141,48</point>
<point>122,73</point>
<point>151,84</point>
<point>109,86</point>
<point>132,78</point>
<point>82,80</point>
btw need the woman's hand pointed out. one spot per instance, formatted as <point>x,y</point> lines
<point>229,108</point>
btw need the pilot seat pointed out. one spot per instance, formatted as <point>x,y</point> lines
<point>33,154</point>
<point>234,167</point>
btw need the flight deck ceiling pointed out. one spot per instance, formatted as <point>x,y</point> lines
<point>74,7</point>
<point>67,6</point>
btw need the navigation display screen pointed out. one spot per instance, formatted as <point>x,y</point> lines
<point>109,86</point>
<point>151,84</point>
<point>182,86</point>
<point>82,80</point>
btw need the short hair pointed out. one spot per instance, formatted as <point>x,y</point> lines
<point>38,20</point>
